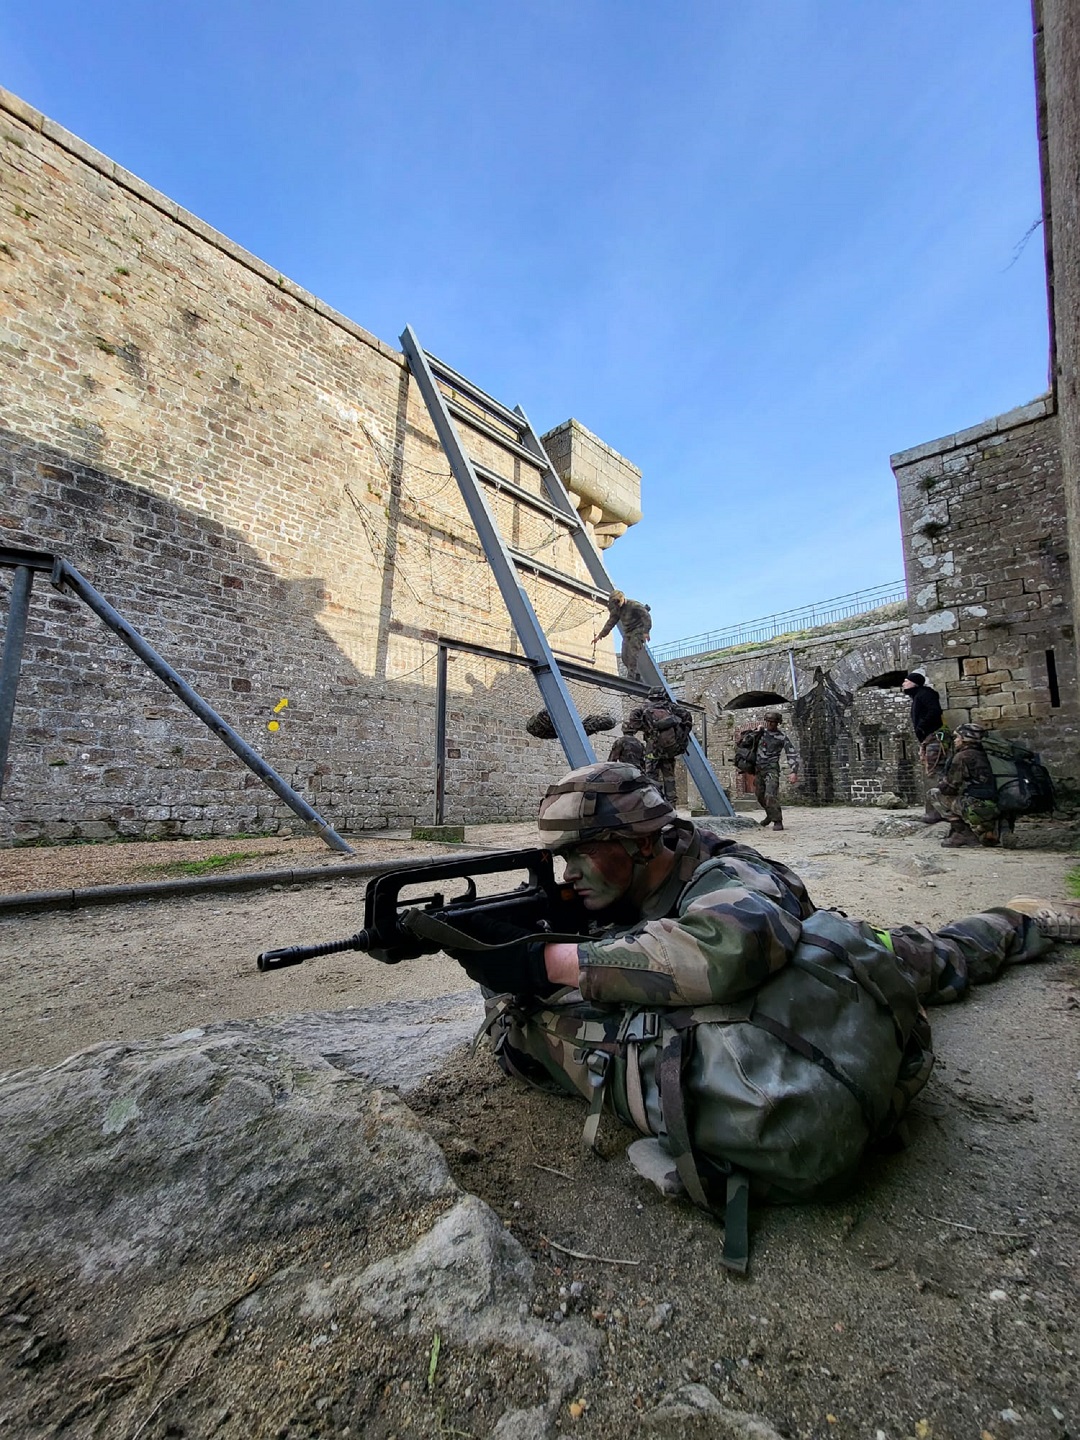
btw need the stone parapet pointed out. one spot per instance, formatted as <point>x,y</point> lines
<point>605,486</point>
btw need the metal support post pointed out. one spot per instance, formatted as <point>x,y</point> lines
<point>440,734</point>
<point>11,663</point>
<point>65,576</point>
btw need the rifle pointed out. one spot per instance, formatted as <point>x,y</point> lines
<point>402,927</point>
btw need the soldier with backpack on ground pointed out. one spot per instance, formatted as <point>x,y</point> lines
<point>666,727</point>
<point>968,794</point>
<point>759,1043</point>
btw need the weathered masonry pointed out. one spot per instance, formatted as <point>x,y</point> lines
<point>987,558</point>
<point>837,691</point>
<point>253,481</point>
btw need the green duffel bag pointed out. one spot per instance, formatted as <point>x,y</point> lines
<point>776,1094</point>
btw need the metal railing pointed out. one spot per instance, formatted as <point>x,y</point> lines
<point>784,622</point>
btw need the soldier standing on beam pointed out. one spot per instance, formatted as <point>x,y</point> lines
<point>634,619</point>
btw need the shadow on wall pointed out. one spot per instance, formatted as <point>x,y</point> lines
<point>821,716</point>
<point>101,748</point>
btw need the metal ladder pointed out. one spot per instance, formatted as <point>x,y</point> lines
<point>435,377</point>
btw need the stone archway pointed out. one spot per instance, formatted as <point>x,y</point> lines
<point>754,700</point>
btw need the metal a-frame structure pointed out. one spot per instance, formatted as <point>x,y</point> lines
<point>435,378</point>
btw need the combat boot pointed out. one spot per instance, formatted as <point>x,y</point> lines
<point>1054,919</point>
<point>959,840</point>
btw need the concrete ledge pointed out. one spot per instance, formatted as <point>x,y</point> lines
<point>1037,409</point>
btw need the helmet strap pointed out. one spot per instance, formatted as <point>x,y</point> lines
<point>633,848</point>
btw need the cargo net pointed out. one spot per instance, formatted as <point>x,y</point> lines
<point>426,537</point>
<point>507,699</point>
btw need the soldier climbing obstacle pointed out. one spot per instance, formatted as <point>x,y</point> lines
<point>634,619</point>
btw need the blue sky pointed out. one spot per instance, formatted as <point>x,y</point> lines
<point>754,247</point>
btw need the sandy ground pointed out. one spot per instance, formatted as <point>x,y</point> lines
<point>937,1302</point>
<point>74,977</point>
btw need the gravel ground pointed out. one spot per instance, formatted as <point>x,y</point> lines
<point>937,1301</point>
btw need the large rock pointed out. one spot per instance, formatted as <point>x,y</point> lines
<point>176,1167</point>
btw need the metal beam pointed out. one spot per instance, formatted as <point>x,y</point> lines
<point>458,382</point>
<point>65,576</point>
<point>477,422</point>
<point>557,699</point>
<point>10,665</point>
<point>535,502</point>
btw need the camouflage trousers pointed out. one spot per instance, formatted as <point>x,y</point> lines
<point>945,963</point>
<point>767,791</point>
<point>934,753</point>
<point>634,641</point>
<point>981,817</point>
<point>661,770</point>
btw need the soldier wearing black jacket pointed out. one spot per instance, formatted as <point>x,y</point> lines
<point>929,726</point>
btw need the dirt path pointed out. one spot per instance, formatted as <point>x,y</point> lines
<point>937,1302</point>
<point>128,972</point>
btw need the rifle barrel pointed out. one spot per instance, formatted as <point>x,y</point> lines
<point>297,954</point>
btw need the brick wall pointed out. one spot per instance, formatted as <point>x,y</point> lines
<point>986,554</point>
<point>853,735</point>
<point>252,480</point>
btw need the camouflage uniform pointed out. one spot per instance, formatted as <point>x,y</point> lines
<point>666,727</point>
<point>635,621</point>
<point>628,750</point>
<point>968,794</point>
<point>771,746</point>
<point>726,924</point>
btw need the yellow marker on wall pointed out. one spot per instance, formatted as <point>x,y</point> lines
<point>273,724</point>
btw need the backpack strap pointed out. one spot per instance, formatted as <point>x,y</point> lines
<point>673,1058</point>
<point>810,1051</point>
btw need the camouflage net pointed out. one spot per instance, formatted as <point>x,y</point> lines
<point>540,726</point>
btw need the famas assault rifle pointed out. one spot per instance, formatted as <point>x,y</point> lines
<point>399,926</point>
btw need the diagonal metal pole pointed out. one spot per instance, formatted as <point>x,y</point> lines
<point>697,762</point>
<point>556,696</point>
<point>65,576</point>
<point>11,663</point>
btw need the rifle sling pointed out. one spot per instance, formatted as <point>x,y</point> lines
<point>427,926</point>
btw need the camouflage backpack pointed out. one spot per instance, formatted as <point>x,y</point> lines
<point>777,1094</point>
<point>746,748</point>
<point>1024,786</point>
<point>667,733</point>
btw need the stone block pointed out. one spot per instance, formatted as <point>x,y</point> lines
<point>975,665</point>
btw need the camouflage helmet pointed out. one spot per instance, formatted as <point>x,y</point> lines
<point>970,731</point>
<point>658,693</point>
<point>608,801</point>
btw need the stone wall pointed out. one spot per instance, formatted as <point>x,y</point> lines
<point>987,560</point>
<point>253,481</point>
<point>844,711</point>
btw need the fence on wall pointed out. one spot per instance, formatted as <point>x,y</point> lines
<point>784,622</point>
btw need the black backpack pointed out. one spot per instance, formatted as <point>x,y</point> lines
<point>746,748</point>
<point>1023,782</point>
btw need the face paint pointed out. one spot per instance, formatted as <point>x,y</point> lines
<point>600,873</point>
